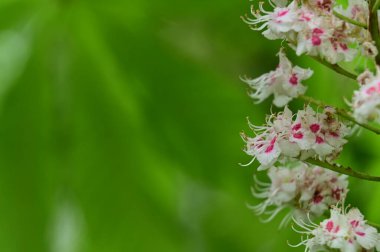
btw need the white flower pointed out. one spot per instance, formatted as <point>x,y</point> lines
<point>357,10</point>
<point>312,28</point>
<point>366,100</point>
<point>343,231</point>
<point>278,23</point>
<point>284,82</point>
<point>326,37</point>
<point>301,189</point>
<point>311,134</point>
<point>369,49</point>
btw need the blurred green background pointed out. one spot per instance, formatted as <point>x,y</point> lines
<point>120,121</point>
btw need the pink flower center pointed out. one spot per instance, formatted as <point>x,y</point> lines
<point>315,127</point>
<point>343,46</point>
<point>298,135</point>
<point>330,226</point>
<point>315,38</point>
<point>318,31</point>
<point>305,17</point>
<point>354,223</point>
<point>319,140</point>
<point>333,134</point>
<point>316,41</point>
<point>296,127</point>
<point>293,79</point>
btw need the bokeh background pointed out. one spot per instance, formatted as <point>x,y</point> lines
<point>120,121</point>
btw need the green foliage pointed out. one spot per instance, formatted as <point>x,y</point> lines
<point>343,3</point>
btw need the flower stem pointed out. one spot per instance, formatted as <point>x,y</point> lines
<point>375,225</point>
<point>341,112</point>
<point>343,170</point>
<point>336,68</point>
<point>349,20</point>
<point>374,25</point>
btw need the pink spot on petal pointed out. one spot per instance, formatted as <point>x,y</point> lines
<point>319,140</point>
<point>293,79</point>
<point>315,127</point>
<point>343,46</point>
<point>296,127</point>
<point>282,13</point>
<point>371,90</point>
<point>317,31</point>
<point>336,230</point>
<point>298,135</point>
<point>354,223</point>
<point>269,148</point>
<point>273,141</point>
<point>333,134</point>
<point>360,233</point>
<point>329,225</point>
<point>316,41</point>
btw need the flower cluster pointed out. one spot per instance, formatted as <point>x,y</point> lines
<point>284,82</point>
<point>310,134</point>
<point>343,231</point>
<point>366,100</point>
<point>313,29</point>
<point>302,189</point>
<point>291,145</point>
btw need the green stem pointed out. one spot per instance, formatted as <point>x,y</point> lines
<point>343,170</point>
<point>336,68</point>
<point>341,112</point>
<point>374,25</point>
<point>373,224</point>
<point>349,20</point>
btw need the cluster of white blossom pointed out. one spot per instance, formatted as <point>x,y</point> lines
<point>310,134</point>
<point>343,231</point>
<point>311,27</point>
<point>366,100</point>
<point>289,142</point>
<point>303,189</point>
<point>284,82</point>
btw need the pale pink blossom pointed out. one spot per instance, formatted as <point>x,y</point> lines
<point>310,134</point>
<point>343,231</point>
<point>366,100</point>
<point>301,189</point>
<point>285,83</point>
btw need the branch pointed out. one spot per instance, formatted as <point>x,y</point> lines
<point>374,25</point>
<point>336,68</point>
<point>349,20</point>
<point>343,170</point>
<point>341,112</point>
<point>373,224</point>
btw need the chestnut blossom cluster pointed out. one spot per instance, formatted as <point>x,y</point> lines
<point>288,145</point>
<point>366,100</point>
<point>303,189</point>
<point>310,27</point>
<point>284,82</point>
<point>343,231</point>
<point>310,134</point>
